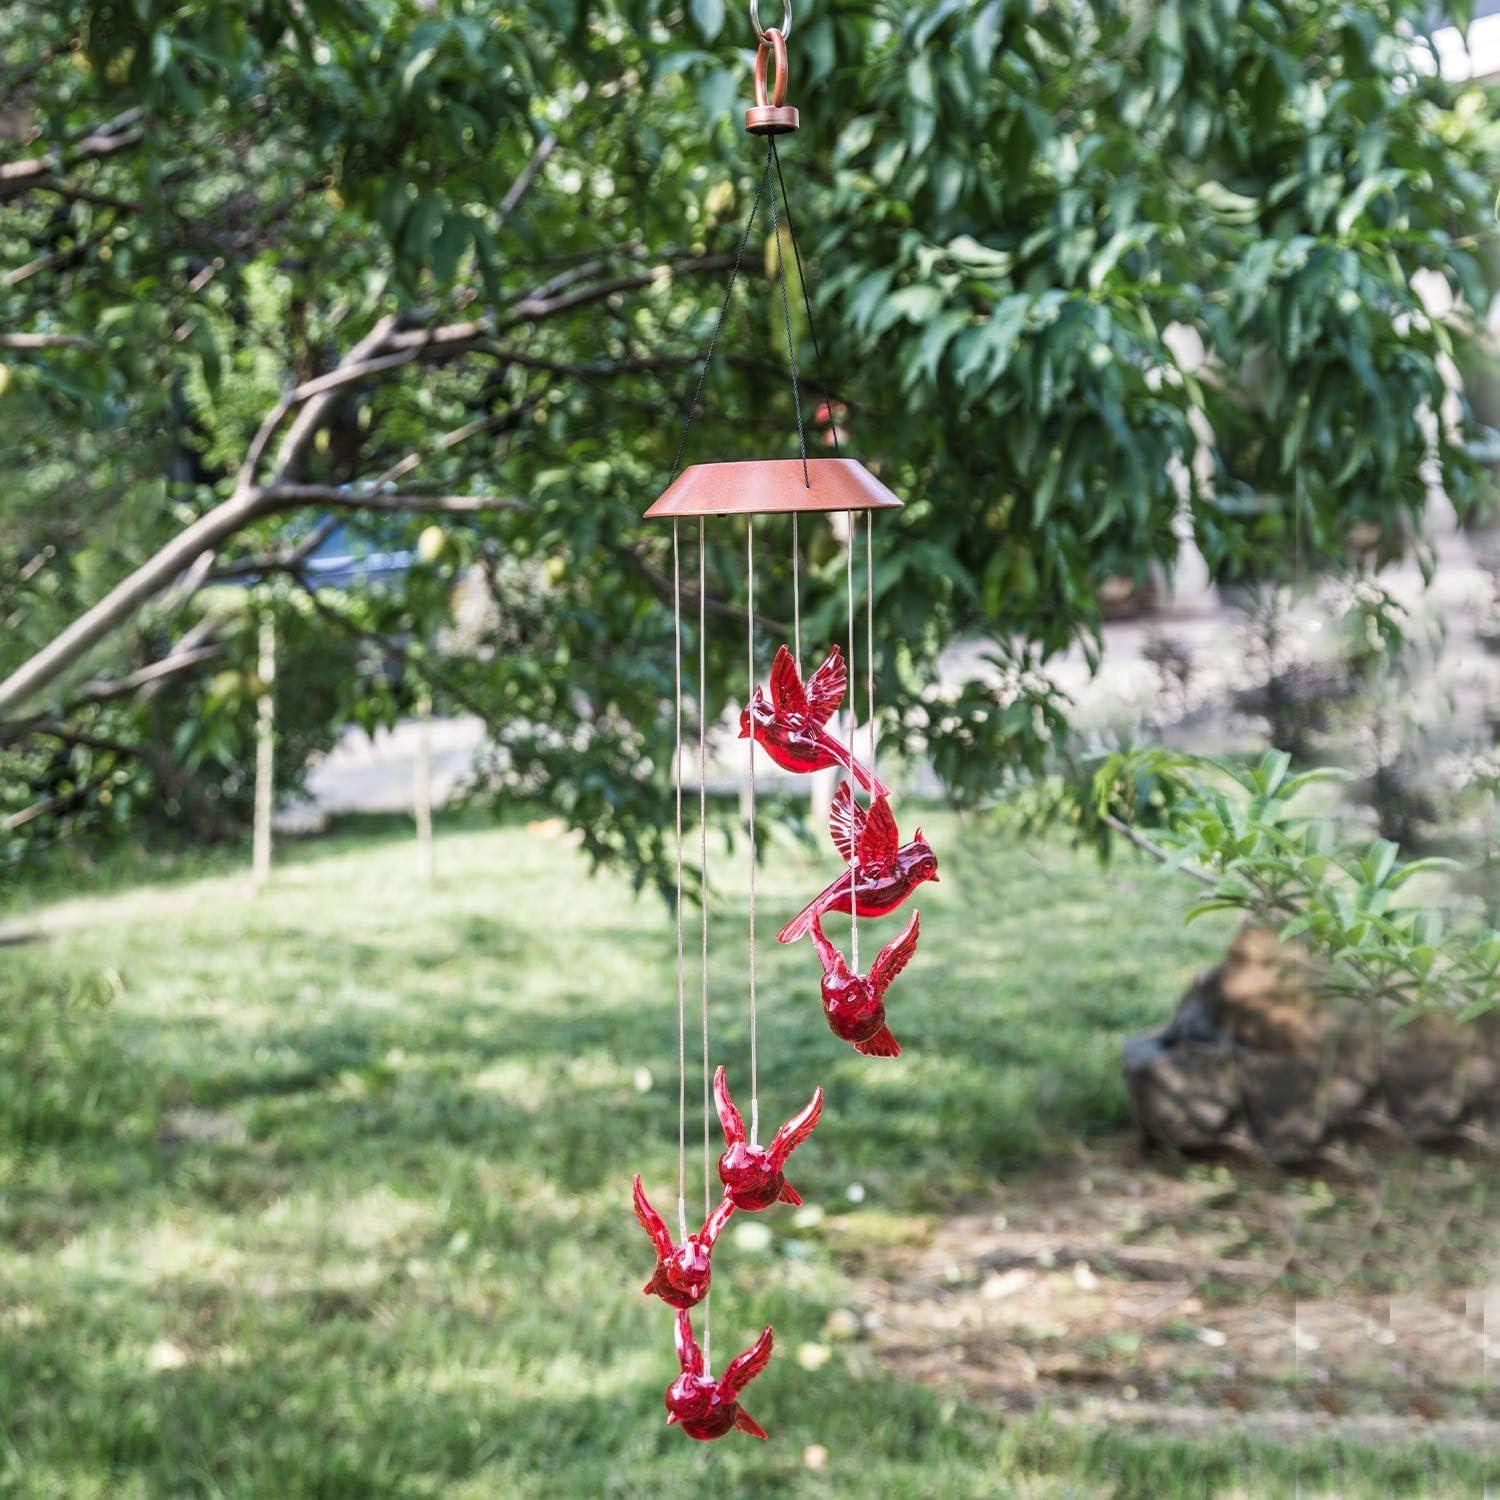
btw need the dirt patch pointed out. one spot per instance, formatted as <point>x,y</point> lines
<point>1194,1298</point>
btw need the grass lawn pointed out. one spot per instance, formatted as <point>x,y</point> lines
<point>325,1192</point>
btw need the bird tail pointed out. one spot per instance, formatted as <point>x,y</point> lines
<point>857,769</point>
<point>868,780</point>
<point>807,918</point>
<point>746,1423</point>
<point>802,923</point>
<point>789,1194</point>
<point>882,1044</point>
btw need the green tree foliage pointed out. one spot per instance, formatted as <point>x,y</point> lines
<point>499,238</point>
<point>1243,831</point>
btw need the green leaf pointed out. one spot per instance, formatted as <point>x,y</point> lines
<point>1272,771</point>
<point>919,81</point>
<point>708,17</point>
<point>415,66</point>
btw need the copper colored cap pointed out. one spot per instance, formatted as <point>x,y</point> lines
<point>772,486</point>
<point>771,114</point>
<point>771,119</point>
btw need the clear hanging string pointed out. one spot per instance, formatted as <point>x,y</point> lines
<point>713,341</point>
<point>796,593</point>
<point>750,692</point>
<point>786,314</point>
<point>703,922</point>
<point>849,774</point>
<point>812,327</point>
<point>870,635</point>
<point>677,788</point>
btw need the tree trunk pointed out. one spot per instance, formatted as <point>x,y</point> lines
<point>422,787</point>
<point>265,750</point>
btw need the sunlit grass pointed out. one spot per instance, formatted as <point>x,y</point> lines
<point>324,1191</point>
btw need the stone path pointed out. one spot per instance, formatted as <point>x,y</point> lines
<point>1189,1299</point>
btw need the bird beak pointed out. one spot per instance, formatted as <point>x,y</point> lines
<point>935,879</point>
<point>671,1418</point>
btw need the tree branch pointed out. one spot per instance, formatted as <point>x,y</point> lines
<point>528,174</point>
<point>382,349</point>
<point>1155,850</point>
<point>663,586</point>
<point>18,177</point>
<point>278,497</point>
<point>45,341</point>
<point>101,690</point>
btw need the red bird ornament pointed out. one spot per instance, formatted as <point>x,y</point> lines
<point>682,1271</point>
<point>706,1408</point>
<point>888,871</point>
<point>789,724</point>
<point>855,1004</point>
<point>752,1175</point>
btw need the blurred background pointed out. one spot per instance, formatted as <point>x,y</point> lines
<point>343,344</point>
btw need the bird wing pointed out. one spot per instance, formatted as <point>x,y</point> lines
<point>714,1224</point>
<point>879,838</point>
<point>895,956</point>
<point>651,1221</point>
<point>846,821</point>
<point>787,693</point>
<point>729,1117</point>
<point>825,688</point>
<point>796,1130</point>
<point>743,1368</point>
<point>689,1355</point>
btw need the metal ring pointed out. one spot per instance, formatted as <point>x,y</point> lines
<point>786,20</point>
<point>774,46</point>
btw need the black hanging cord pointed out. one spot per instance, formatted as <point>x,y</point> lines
<point>786,309</point>
<point>812,327</point>
<point>723,312</point>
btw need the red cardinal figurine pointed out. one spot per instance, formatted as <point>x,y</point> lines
<point>706,1408</point>
<point>789,724</point>
<point>889,871</point>
<point>682,1271</point>
<point>752,1174</point>
<point>855,1004</point>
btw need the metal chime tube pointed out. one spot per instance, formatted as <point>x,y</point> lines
<point>869,636</point>
<point>677,788</point>
<point>749,693</point>
<point>853,796</point>
<point>708,1201</point>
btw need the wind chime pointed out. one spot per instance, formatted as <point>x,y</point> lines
<point>794,722</point>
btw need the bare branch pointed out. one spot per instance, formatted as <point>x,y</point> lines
<point>382,349</point>
<point>506,421</point>
<point>292,496</point>
<point>522,185</point>
<point>534,309</point>
<point>21,176</point>
<point>663,586</point>
<point>245,479</point>
<point>44,341</point>
<point>54,729</point>
<point>101,690</point>
<point>287,561</point>
<point>1155,850</point>
<point>311,417</point>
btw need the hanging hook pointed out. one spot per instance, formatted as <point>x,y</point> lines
<point>773,116</point>
<point>773,46</point>
<point>786,21</point>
